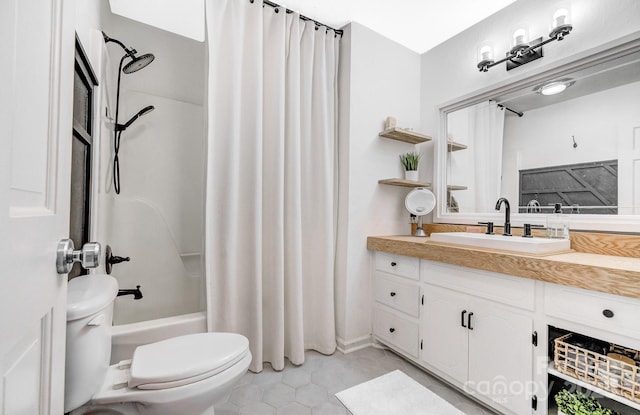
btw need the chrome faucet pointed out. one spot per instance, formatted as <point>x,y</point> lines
<point>507,215</point>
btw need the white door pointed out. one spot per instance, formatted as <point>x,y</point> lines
<point>36,91</point>
<point>501,355</point>
<point>629,168</point>
<point>444,332</point>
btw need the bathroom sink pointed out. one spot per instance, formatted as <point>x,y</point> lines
<point>506,243</point>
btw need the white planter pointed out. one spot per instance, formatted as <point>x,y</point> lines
<point>561,413</point>
<point>411,175</point>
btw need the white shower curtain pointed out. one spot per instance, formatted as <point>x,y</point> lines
<point>271,180</point>
<point>486,131</point>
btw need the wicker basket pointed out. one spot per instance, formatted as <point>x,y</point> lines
<point>599,370</point>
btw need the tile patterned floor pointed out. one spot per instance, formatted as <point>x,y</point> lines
<point>309,389</point>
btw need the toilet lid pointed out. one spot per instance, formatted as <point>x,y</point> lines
<point>185,359</point>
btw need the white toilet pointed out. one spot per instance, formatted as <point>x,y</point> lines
<point>182,375</point>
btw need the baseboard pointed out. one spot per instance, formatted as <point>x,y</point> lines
<point>355,344</point>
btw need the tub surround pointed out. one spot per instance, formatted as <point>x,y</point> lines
<point>597,262</point>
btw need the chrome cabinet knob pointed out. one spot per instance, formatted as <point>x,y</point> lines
<point>88,256</point>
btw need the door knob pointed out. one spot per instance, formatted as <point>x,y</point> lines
<point>88,256</point>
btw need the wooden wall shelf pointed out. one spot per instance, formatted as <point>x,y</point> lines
<point>451,187</point>
<point>453,146</point>
<point>407,136</point>
<point>403,183</point>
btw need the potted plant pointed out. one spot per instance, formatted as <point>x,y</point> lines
<point>579,404</point>
<point>410,163</point>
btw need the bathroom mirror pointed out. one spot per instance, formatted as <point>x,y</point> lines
<point>579,147</point>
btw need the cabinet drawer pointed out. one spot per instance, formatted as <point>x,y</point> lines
<point>396,330</point>
<point>398,265</point>
<point>502,288</point>
<point>591,308</point>
<point>394,292</point>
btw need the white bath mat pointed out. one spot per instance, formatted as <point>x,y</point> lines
<point>393,394</point>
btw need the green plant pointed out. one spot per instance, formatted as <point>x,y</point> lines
<point>579,404</point>
<point>410,160</point>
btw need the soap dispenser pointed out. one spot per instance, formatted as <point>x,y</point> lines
<point>557,224</point>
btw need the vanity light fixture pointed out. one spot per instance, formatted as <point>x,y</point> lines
<point>522,50</point>
<point>554,87</point>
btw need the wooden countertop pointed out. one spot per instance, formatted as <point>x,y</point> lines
<point>605,273</point>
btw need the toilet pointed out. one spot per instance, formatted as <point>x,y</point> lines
<point>181,375</point>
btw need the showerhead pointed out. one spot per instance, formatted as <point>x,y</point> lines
<point>138,62</point>
<point>145,110</point>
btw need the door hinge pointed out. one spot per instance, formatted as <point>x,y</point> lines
<point>422,301</point>
<point>421,344</point>
<point>534,402</point>
<point>534,338</point>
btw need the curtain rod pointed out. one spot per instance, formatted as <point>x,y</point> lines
<point>518,113</point>
<point>303,17</point>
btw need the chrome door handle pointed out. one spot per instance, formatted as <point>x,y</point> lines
<point>88,256</point>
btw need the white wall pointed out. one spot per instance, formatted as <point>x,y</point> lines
<point>378,78</point>
<point>89,17</point>
<point>449,71</point>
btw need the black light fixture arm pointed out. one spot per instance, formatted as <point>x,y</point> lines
<point>520,52</point>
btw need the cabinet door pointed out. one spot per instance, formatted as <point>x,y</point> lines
<point>444,338</point>
<point>501,355</point>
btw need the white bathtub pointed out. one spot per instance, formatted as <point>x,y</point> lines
<point>126,337</point>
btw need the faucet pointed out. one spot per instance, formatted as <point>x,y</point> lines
<point>507,215</point>
<point>137,294</point>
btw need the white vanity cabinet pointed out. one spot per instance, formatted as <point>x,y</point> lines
<point>476,332</point>
<point>396,311</point>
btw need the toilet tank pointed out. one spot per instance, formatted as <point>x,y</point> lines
<point>89,317</point>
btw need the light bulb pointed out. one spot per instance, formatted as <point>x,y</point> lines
<point>560,18</point>
<point>520,37</point>
<point>561,24</point>
<point>486,53</point>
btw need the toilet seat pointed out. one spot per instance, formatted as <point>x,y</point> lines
<point>185,359</point>
<point>207,383</point>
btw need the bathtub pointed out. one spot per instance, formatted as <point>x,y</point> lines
<point>126,337</point>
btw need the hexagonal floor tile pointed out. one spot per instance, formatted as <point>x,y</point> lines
<point>296,377</point>
<point>257,408</point>
<point>311,395</point>
<point>267,377</point>
<point>246,394</point>
<point>278,395</point>
<point>294,409</point>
